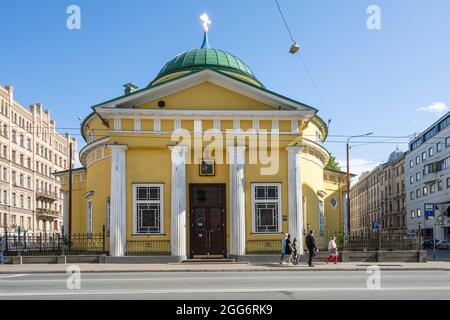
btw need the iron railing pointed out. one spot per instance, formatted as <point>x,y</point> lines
<point>263,247</point>
<point>386,241</point>
<point>148,247</point>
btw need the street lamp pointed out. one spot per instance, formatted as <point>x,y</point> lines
<point>348,175</point>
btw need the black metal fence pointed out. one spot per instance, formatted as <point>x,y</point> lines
<point>51,244</point>
<point>44,244</point>
<point>372,241</point>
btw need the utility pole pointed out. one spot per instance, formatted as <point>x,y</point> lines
<point>69,218</point>
<point>348,176</point>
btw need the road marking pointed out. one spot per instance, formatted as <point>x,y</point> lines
<point>211,291</point>
<point>268,277</point>
<point>10,276</point>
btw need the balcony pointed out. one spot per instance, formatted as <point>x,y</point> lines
<point>47,214</point>
<point>431,178</point>
<point>46,195</point>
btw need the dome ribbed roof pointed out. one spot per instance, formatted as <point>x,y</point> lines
<point>394,156</point>
<point>203,58</point>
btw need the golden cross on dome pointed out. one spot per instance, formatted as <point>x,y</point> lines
<point>206,22</point>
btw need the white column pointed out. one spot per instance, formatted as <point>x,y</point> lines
<point>178,202</point>
<point>236,160</point>
<point>118,221</point>
<point>295,195</point>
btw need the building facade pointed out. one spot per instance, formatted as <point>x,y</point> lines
<point>365,202</point>
<point>30,152</point>
<point>148,175</point>
<point>428,180</point>
<point>377,200</point>
<point>392,193</point>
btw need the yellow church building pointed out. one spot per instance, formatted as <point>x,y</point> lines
<point>203,162</point>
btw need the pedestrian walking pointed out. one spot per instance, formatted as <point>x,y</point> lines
<point>332,251</point>
<point>288,250</point>
<point>311,245</point>
<point>295,253</point>
<point>283,248</point>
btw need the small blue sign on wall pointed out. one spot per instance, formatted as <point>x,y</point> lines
<point>376,225</point>
<point>429,211</point>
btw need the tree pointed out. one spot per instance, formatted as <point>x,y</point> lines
<point>333,164</point>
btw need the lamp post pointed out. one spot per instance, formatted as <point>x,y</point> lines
<point>348,175</point>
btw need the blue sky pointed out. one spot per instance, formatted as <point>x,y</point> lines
<point>372,81</point>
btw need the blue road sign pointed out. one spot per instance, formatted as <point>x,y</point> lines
<point>429,211</point>
<point>376,225</point>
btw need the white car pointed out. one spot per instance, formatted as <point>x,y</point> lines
<point>443,244</point>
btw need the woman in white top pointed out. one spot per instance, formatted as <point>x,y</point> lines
<point>332,250</point>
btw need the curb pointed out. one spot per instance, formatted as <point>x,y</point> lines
<point>226,270</point>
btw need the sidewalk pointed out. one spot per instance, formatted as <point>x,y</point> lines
<point>124,268</point>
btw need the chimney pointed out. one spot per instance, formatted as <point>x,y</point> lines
<point>10,88</point>
<point>130,88</point>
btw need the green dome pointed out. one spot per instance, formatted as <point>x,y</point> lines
<point>203,58</point>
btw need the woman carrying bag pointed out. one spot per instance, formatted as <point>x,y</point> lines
<point>332,251</point>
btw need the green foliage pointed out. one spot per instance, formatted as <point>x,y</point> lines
<point>333,164</point>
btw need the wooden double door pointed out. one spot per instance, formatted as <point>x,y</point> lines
<point>207,220</point>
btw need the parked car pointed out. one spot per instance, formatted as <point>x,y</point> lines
<point>428,243</point>
<point>443,244</point>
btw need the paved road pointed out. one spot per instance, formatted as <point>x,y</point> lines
<point>230,285</point>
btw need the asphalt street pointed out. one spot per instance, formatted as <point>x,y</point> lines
<point>336,285</point>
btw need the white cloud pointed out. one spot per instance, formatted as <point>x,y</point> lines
<point>436,108</point>
<point>359,166</point>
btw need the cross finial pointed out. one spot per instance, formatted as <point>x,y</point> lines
<point>206,22</point>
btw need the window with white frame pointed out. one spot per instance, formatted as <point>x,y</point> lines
<point>266,208</point>
<point>148,208</point>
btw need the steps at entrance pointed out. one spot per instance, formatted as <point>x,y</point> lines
<point>209,261</point>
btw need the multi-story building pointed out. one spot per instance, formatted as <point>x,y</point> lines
<point>378,198</point>
<point>365,202</point>
<point>30,152</point>
<point>392,193</point>
<point>428,180</point>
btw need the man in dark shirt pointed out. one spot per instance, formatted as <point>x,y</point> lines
<point>311,245</point>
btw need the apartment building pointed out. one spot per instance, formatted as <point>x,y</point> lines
<point>378,199</point>
<point>428,180</point>
<point>392,193</point>
<point>365,202</point>
<point>30,152</point>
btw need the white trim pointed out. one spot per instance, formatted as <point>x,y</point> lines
<point>255,125</point>
<point>90,146</point>
<point>177,124</point>
<point>217,125</point>
<point>157,125</point>
<point>161,210</point>
<point>236,124</point>
<point>117,124</point>
<point>275,126</point>
<point>111,113</point>
<point>294,126</point>
<point>280,216</point>
<point>137,125</point>
<point>207,75</point>
<point>198,126</point>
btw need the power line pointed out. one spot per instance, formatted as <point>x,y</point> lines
<point>308,72</point>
